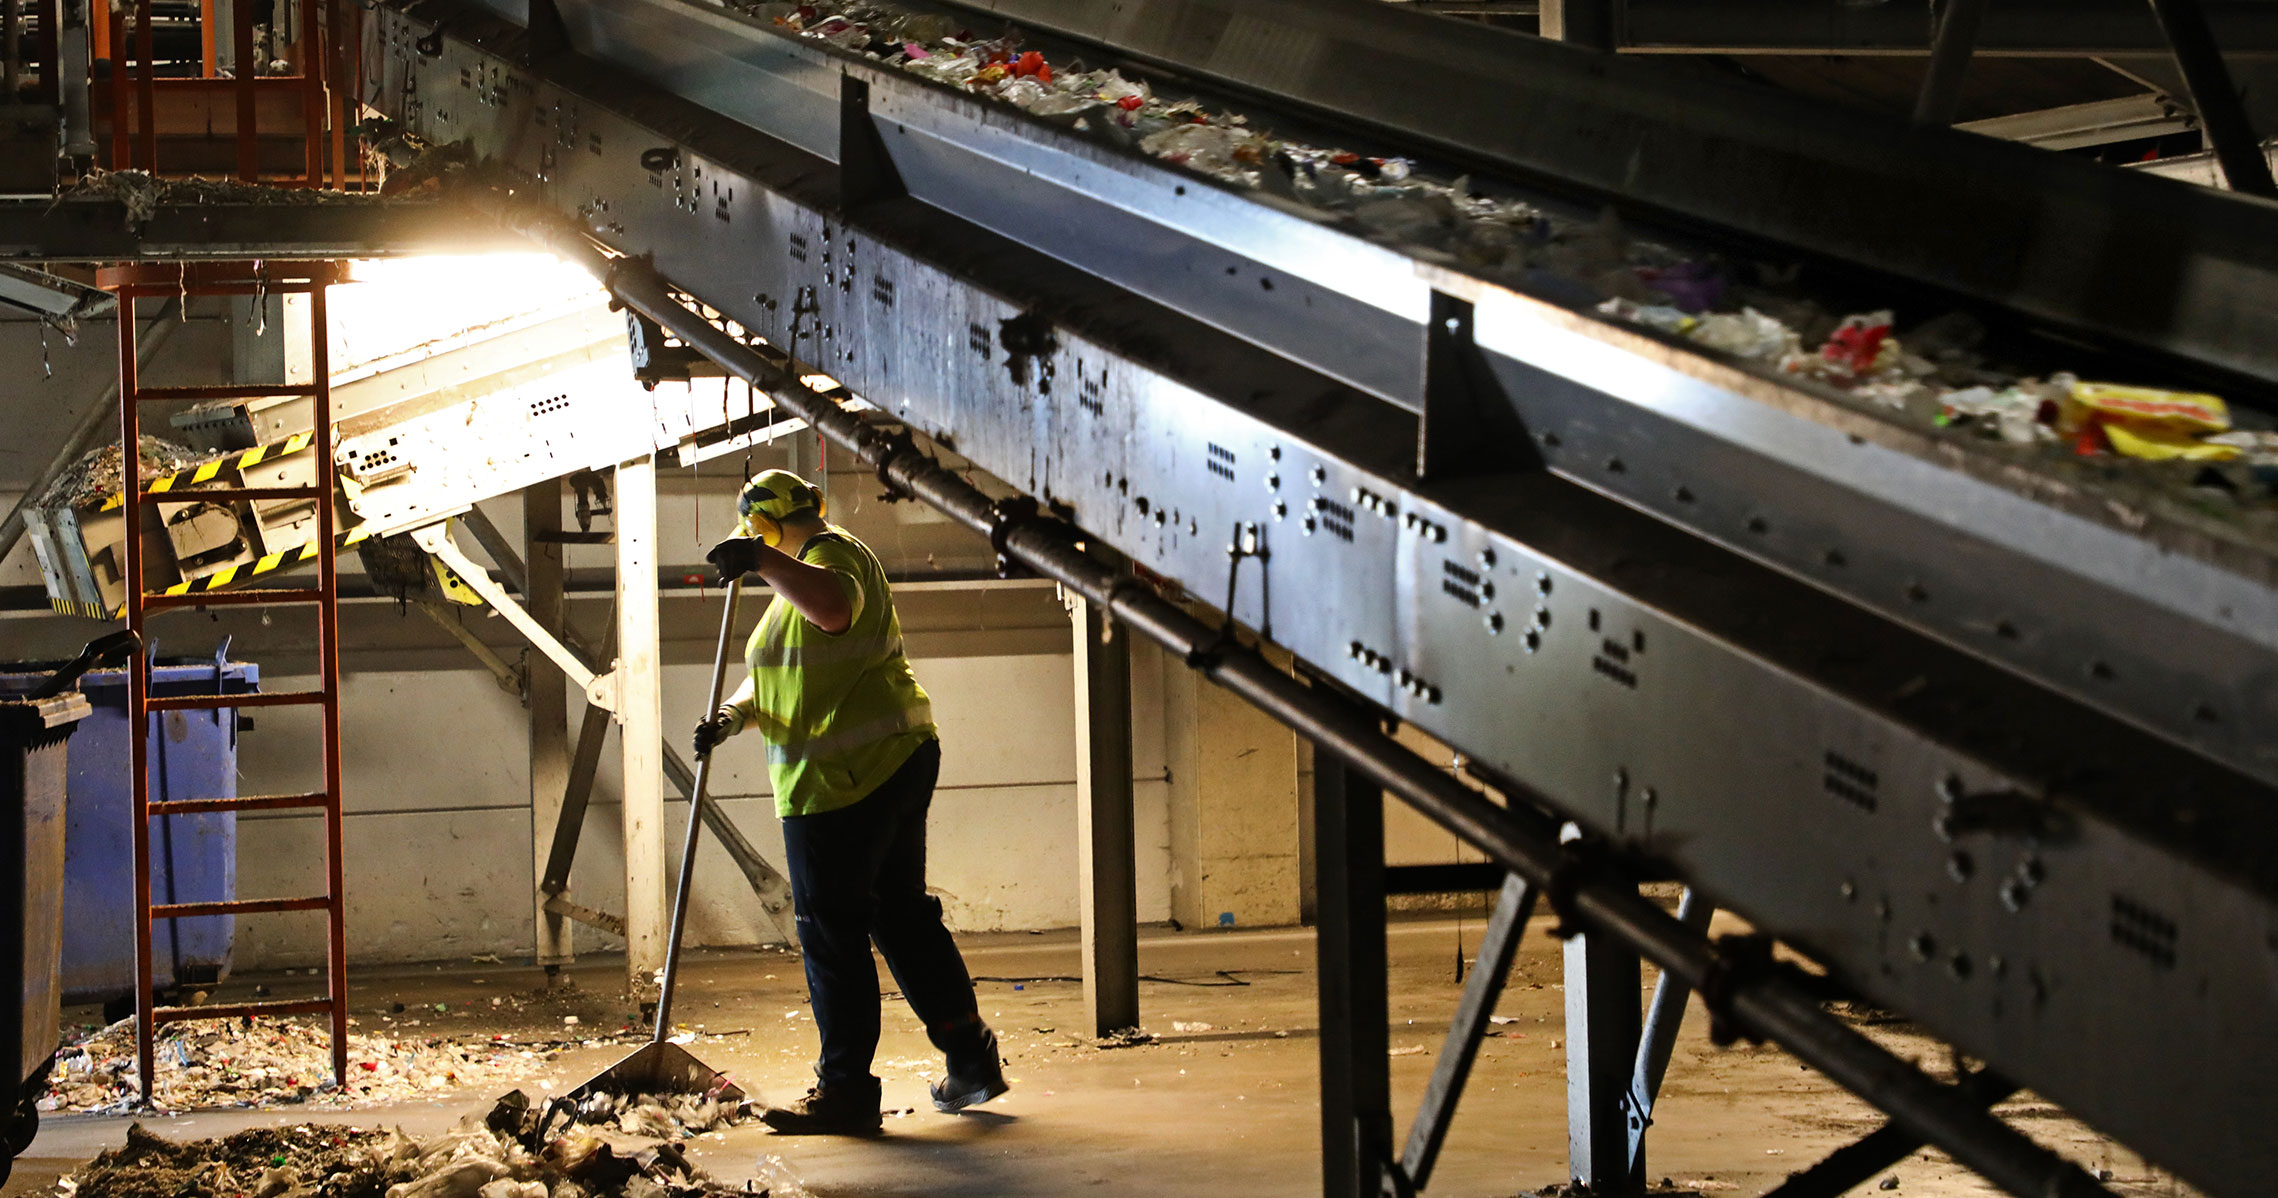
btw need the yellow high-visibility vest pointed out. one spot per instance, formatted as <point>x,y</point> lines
<point>841,712</point>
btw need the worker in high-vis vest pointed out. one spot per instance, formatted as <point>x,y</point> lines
<point>853,755</point>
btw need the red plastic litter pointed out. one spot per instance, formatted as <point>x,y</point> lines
<point>1855,345</point>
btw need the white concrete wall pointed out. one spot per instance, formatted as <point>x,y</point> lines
<point>439,817</point>
<point>435,757</point>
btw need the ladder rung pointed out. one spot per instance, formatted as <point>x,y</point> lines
<point>282,1006</point>
<point>160,911</point>
<point>232,494</point>
<point>154,600</point>
<point>242,803</point>
<point>216,702</point>
<point>242,391</point>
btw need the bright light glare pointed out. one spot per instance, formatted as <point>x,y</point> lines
<point>395,304</point>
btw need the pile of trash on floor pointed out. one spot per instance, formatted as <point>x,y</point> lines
<point>517,1151</point>
<point>1942,376</point>
<point>259,1062</point>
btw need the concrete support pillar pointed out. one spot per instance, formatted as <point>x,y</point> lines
<point>549,709</point>
<point>640,717</point>
<point>1107,883</point>
<point>1602,1018</point>
<point>1233,808</point>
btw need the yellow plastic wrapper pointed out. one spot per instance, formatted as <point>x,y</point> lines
<point>2155,443</point>
<point>2145,407</point>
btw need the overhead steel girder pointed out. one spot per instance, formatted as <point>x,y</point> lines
<point>2026,876</point>
<point>2022,28</point>
<point>105,230</point>
<point>2139,604</point>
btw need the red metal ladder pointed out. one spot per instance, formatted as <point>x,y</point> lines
<point>256,279</point>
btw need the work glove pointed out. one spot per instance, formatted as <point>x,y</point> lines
<point>736,557</point>
<point>712,731</point>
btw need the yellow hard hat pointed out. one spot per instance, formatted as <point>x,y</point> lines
<point>773,496</point>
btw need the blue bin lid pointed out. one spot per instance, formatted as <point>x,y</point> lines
<point>235,675</point>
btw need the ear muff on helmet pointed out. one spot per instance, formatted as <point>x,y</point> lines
<point>774,496</point>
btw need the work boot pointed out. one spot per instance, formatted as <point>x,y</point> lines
<point>977,1081</point>
<point>828,1110</point>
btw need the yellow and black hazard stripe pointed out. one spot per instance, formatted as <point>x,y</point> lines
<point>231,575</point>
<point>205,472</point>
<point>225,577</point>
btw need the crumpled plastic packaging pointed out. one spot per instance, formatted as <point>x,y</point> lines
<point>2154,443</point>
<point>1220,151</point>
<point>1861,345</point>
<point>2258,446</point>
<point>461,1179</point>
<point>2183,411</point>
<point>2153,424</point>
<point>1746,334</point>
<point>1653,316</point>
<point>2019,415</point>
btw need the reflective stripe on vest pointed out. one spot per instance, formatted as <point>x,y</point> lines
<point>839,740</point>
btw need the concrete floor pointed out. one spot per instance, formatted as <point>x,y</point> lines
<point>1232,1109</point>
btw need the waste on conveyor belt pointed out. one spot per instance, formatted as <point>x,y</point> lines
<point>142,193</point>
<point>473,1160</point>
<point>262,1062</point>
<point>97,474</point>
<point>1937,375</point>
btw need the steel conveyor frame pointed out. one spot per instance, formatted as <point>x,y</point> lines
<point>2140,608</point>
<point>1772,1002</point>
<point>2020,871</point>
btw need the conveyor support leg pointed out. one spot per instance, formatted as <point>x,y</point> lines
<point>1356,1104</point>
<point>1108,882</point>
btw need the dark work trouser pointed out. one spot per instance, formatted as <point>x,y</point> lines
<point>858,875</point>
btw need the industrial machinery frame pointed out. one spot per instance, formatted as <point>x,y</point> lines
<point>2004,763</point>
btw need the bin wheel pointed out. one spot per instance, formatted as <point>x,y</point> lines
<point>7,1166</point>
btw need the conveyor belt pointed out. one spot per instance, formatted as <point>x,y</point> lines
<point>2063,864</point>
<point>2149,601</point>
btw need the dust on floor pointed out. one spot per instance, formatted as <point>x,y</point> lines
<point>1225,1103</point>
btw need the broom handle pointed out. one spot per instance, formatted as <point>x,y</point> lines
<point>695,818</point>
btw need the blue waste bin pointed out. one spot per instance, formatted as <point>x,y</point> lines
<point>193,755</point>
